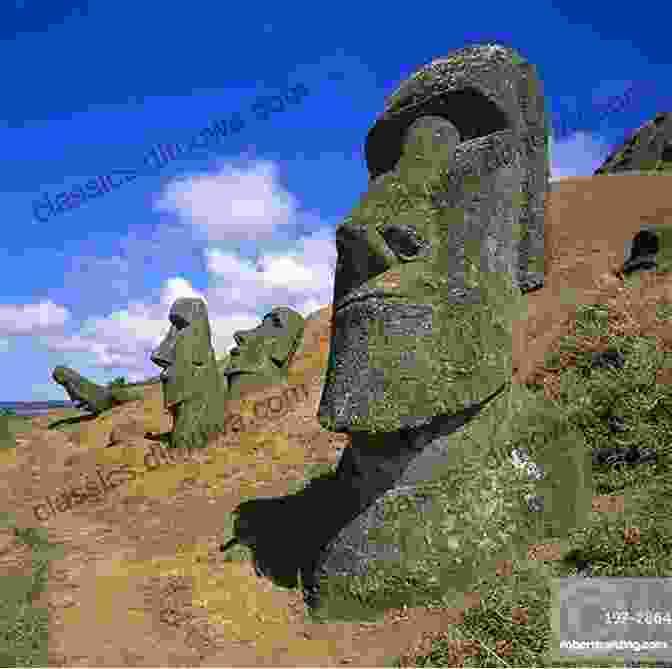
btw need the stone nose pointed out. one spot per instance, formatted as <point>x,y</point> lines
<point>163,356</point>
<point>362,255</point>
<point>159,361</point>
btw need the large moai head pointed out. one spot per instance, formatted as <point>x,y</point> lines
<point>432,261</point>
<point>264,353</point>
<point>193,388</point>
<point>84,393</point>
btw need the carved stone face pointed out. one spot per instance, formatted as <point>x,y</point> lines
<point>425,290</point>
<point>263,354</point>
<point>186,354</point>
<point>84,393</point>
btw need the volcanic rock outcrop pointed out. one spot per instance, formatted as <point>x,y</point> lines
<point>648,149</point>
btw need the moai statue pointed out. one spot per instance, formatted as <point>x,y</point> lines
<point>263,354</point>
<point>194,390</point>
<point>431,267</point>
<point>90,396</point>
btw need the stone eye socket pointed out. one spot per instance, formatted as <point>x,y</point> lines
<point>179,322</point>
<point>404,241</point>
<point>275,320</point>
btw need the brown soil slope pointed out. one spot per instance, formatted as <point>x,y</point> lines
<point>142,582</point>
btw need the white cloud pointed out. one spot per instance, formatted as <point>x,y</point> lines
<point>233,203</point>
<point>27,319</point>
<point>579,155</point>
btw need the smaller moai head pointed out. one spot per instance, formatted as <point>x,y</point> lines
<point>645,243</point>
<point>186,354</point>
<point>650,249</point>
<point>193,388</point>
<point>84,393</point>
<point>264,353</point>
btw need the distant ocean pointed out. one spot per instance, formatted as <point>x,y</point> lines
<point>33,409</point>
<point>40,408</point>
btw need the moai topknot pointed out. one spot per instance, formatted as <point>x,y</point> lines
<point>264,353</point>
<point>91,396</point>
<point>194,390</point>
<point>427,288</point>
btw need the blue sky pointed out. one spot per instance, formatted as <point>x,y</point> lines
<point>248,221</point>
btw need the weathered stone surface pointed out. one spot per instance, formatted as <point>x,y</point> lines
<point>194,390</point>
<point>482,90</point>
<point>90,396</point>
<point>427,287</point>
<point>264,353</point>
<point>648,149</point>
<point>429,510</point>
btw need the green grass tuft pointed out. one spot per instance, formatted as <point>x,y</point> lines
<point>24,629</point>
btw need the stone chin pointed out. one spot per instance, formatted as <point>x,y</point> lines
<point>242,381</point>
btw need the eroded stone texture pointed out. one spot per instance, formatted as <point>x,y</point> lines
<point>443,504</point>
<point>264,353</point>
<point>648,149</point>
<point>426,290</point>
<point>194,390</point>
<point>91,396</point>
